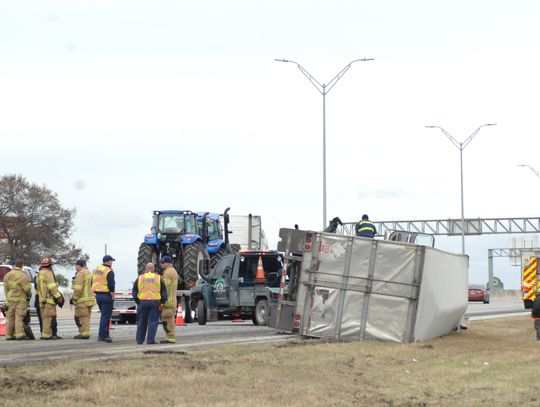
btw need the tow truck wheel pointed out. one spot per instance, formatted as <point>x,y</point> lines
<point>261,313</point>
<point>201,312</point>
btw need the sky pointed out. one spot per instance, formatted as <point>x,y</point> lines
<point>125,107</point>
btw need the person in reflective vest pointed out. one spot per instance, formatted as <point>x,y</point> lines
<point>18,290</point>
<point>54,324</point>
<point>365,228</point>
<point>49,297</point>
<point>82,298</point>
<point>168,310</point>
<point>149,292</point>
<point>103,285</point>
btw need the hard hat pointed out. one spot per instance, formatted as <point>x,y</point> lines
<point>46,262</point>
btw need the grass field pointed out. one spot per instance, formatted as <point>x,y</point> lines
<point>492,363</point>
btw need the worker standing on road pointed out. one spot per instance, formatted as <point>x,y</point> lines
<point>18,290</point>
<point>149,292</point>
<point>535,313</point>
<point>366,228</point>
<point>54,324</point>
<point>103,287</point>
<point>83,299</point>
<point>49,297</point>
<point>168,311</point>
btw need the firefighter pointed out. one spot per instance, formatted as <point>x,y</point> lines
<point>83,299</point>
<point>365,228</point>
<point>149,292</point>
<point>103,287</point>
<point>18,290</point>
<point>168,311</point>
<point>49,297</point>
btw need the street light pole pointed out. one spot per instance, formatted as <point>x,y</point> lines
<point>531,168</point>
<point>323,89</point>
<point>461,146</point>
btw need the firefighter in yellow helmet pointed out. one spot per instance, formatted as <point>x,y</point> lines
<point>18,290</point>
<point>49,297</point>
<point>83,299</point>
<point>168,310</point>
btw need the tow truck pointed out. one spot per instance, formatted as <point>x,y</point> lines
<point>242,284</point>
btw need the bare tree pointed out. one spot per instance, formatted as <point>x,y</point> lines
<point>33,223</point>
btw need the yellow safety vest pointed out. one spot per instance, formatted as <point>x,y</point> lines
<point>99,279</point>
<point>149,285</point>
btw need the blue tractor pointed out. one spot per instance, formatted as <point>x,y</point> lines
<point>217,238</point>
<point>177,234</point>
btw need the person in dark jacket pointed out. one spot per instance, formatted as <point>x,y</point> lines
<point>149,292</point>
<point>366,228</point>
<point>535,314</point>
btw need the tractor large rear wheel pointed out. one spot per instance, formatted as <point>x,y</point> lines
<point>216,257</point>
<point>193,254</point>
<point>235,248</point>
<point>147,254</point>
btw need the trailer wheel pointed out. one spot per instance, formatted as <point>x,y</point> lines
<point>261,313</point>
<point>201,312</point>
<point>216,257</point>
<point>193,253</point>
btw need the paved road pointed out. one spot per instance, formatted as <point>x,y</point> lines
<point>497,306</point>
<point>189,337</point>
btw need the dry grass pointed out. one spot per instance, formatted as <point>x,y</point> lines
<point>491,363</point>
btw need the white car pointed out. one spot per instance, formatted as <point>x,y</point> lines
<point>4,268</point>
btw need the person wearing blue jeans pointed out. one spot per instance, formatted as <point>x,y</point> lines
<point>103,287</point>
<point>149,292</point>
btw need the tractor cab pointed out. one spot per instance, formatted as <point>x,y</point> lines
<point>174,226</point>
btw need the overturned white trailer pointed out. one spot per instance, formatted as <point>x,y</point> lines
<point>353,288</point>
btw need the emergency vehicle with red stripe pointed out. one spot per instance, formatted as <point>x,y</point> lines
<point>529,282</point>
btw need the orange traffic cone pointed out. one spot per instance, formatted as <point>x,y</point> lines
<point>110,324</point>
<point>260,277</point>
<point>3,324</point>
<point>179,317</point>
